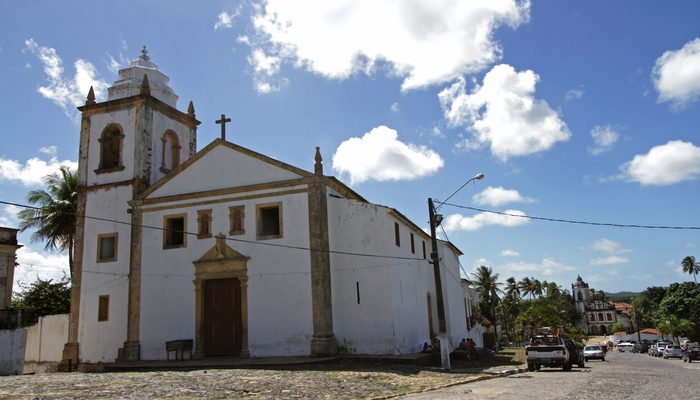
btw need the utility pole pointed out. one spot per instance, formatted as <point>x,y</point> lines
<point>442,330</point>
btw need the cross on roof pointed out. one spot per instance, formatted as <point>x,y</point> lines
<point>223,122</point>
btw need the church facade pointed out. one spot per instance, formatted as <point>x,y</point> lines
<point>243,254</point>
<point>597,315</point>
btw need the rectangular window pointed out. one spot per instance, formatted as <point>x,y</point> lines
<point>413,245</point>
<point>396,233</point>
<point>174,227</point>
<point>269,221</point>
<point>107,247</point>
<point>592,317</point>
<point>103,308</point>
<point>609,317</point>
<point>424,255</point>
<point>203,224</point>
<point>236,217</point>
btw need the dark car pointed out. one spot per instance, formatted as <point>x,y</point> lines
<point>691,353</point>
<point>575,353</point>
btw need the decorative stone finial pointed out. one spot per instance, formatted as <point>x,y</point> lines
<point>318,167</point>
<point>90,97</point>
<point>145,86</point>
<point>144,54</point>
<point>190,109</point>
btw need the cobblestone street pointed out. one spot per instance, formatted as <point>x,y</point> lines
<point>343,380</point>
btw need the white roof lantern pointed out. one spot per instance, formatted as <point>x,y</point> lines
<point>130,79</point>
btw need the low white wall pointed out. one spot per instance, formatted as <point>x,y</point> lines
<point>45,339</point>
<point>12,343</point>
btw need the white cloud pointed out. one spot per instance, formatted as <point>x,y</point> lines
<point>33,171</point>
<point>604,138</point>
<point>574,94</point>
<point>607,246</point>
<point>690,245</point>
<point>546,267</point>
<point>380,156</point>
<point>425,42</point>
<point>510,253</point>
<point>667,164</point>
<point>50,150</point>
<point>66,93</point>
<point>458,222</point>
<point>225,20</point>
<point>504,113</point>
<point>9,216</point>
<point>498,196</point>
<point>395,108</point>
<point>266,68</point>
<point>609,260</point>
<point>33,265</point>
<point>676,74</point>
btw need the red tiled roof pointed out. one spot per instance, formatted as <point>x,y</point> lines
<point>651,331</point>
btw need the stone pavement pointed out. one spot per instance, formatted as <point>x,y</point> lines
<point>339,380</point>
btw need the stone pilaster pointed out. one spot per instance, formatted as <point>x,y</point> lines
<point>71,353</point>
<point>132,347</point>
<point>323,341</point>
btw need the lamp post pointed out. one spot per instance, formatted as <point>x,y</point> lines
<point>435,220</point>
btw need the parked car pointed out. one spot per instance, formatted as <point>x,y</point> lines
<point>657,350</point>
<point>636,348</point>
<point>575,353</point>
<point>692,353</point>
<point>626,346</point>
<point>593,353</point>
<point>672,351</point>
<point>643,347</point>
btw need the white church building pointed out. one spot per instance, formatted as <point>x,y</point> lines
<point>243,254</point>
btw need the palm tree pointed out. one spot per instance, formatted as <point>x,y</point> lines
<point>54,217</point>
<point>512,288</point>
<point>487,285</point>
<point>690,266</point>
<point>526,284</point>
<point>537,287</point>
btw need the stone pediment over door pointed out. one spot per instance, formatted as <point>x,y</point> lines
<point>221,253</point>
<point>220,262</point>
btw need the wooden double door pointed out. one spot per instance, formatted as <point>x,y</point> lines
<point>223,333</point>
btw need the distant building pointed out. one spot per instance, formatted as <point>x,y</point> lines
<point>597,315</point>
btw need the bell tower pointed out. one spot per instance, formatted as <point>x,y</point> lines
<point>127,143</point>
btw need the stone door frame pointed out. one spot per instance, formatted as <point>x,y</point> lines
<point>221,262</point>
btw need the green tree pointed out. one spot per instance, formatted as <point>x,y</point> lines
<point>675,326</point>
<point>42,297</point>
<point>690,266</point>
<point>527,287</point>
<point>55,216</point>
<point>618,327</point>
<point>682,300</point>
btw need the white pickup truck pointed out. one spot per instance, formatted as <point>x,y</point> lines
<point>547,351</point>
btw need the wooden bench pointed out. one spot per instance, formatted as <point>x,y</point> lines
<point>179,347</point>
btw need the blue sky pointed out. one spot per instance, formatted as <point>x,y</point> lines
<point>573,110</point>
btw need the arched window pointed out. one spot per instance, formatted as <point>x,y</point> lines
<point>580,296</point>
<point>111,147</point>
<point>171,151</point>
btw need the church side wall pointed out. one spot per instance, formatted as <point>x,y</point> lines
<point>455,312</point>
<point>365,326</point>
<point>99,340</point>
<point>279,284</point>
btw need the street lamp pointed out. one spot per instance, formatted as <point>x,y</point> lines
<point>435,220</point>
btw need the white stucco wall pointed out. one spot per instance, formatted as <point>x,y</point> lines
<point>161,124</point>
<point>279,283</point>
<point>225,168</point>
<point>99,340</point>
<point>98,122</point>
<point>46,338</point>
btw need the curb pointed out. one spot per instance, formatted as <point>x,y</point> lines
<point>508,372</point>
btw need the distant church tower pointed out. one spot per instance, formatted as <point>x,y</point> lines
<point>127,143</point>
<point>581,293</point>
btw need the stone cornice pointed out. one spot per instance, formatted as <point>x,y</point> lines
<point>134,101</point>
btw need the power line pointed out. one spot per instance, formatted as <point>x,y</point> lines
<point>347,253</point>
<point>569,221</point>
